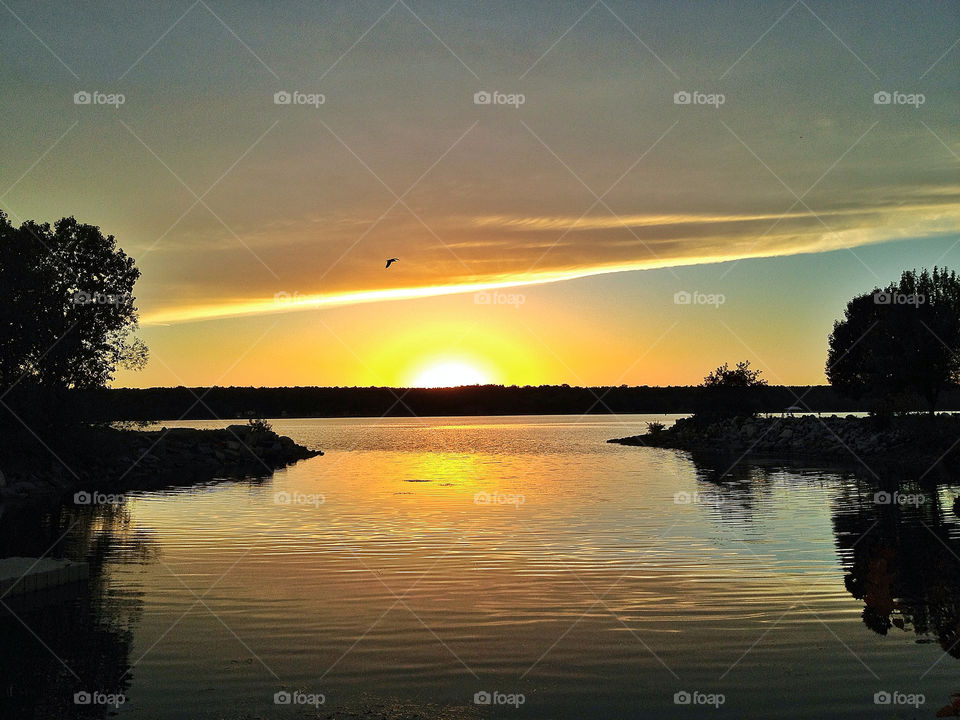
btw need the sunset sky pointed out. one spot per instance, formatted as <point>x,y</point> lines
<point>542,242</point>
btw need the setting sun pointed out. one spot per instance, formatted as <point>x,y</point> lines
<point>450,373</point>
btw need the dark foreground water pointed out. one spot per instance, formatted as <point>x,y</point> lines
<point>423,561</point>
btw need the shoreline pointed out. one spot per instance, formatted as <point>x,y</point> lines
<point>87,459</point>
<point>912,445</point>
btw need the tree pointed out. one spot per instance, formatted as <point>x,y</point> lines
<point>739,377</point>
<point>900,340</point>
<point>67,313</point>
<point>730,392</point>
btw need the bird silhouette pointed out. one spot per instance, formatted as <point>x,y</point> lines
<point>391,261</point>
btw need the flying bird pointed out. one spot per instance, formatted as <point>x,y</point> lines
<point>391,261</point>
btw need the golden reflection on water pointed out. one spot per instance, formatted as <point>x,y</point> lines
<point>420,558</point>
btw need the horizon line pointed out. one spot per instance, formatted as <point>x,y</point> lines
<point>423,387</point>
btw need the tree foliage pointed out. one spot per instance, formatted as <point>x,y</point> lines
<point>730,392</point>
<point>67,312</point>
<point>741,376</point>
<point>900,340</point>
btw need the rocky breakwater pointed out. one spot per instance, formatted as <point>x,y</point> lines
<point>108,459</point>
<point>921,440</point>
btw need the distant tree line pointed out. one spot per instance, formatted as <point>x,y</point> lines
<point>234,402</point>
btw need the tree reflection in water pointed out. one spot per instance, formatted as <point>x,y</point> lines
<point>75,638</point>
<point>901,558</point>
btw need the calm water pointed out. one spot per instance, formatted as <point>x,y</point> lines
<point>598,581</point>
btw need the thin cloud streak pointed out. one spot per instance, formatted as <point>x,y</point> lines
<point>608,222</point>
<point>283,302</point>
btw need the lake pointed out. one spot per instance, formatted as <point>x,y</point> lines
<point>422,561</point>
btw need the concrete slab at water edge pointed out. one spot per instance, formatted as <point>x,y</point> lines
<point>20,575</point>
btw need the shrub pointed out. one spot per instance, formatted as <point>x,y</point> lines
<point>730,392</point>
<point>259,425</point>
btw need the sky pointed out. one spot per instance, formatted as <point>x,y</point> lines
<point>652,189</point>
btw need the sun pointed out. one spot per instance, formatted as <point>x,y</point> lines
<point>450,373</point>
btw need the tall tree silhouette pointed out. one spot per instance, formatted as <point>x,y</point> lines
<point>67,312</point>
<point>902,339</point>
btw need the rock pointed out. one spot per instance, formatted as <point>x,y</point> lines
<point>146,459</point>
<point>23,575</point>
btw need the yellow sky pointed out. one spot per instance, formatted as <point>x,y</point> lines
<point>262,228</point>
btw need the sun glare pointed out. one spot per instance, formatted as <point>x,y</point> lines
<point>450,373</point>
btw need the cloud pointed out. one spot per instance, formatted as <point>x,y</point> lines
<point>703,239</point>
